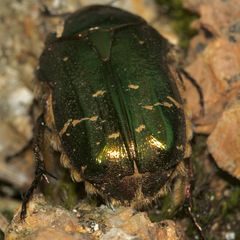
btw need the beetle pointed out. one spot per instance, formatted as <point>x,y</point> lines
<point>112,108</point>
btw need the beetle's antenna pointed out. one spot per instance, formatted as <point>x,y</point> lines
<point>188,201</point>
<point>196,224</point>
<point>196,85</point>
<point>109,205</point>
<point>193,218</point>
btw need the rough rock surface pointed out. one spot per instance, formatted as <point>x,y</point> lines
<point>45,221</point>
<point>224,142</point>
<point>214,60</point>
<point>217,71</point>
<point>215,66</point>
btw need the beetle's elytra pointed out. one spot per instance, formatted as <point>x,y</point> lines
<point>113,105</point>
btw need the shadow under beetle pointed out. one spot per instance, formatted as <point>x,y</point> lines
<point>112,108</point>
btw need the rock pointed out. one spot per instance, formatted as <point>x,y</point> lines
<point>169,230</point>
<point>219,17</point>
<point>214,60</point>
<point>217,71</point>
<point>224,141</point>
<point>215,66</point>
<point>45,221</point>
<point>20,46</point>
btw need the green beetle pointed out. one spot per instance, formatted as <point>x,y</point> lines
<point>113,108</point>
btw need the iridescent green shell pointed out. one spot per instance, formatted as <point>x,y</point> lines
<point>116,106</point>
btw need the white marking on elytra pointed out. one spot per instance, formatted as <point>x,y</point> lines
<point>77,121</point>
<point>140,128</point>
<point>65,59</point>
<point>114,135</point>
<point>156,143</point>
<point>180,147</point>
<point>93,28</point>
<point>65,127</point>
<point>148,107</point>
<point>165,104</point>
<point>133,86</point>
<point>93,118</point>
<point>177,104</point>
<point>74,122</point>
<point>99,93</point>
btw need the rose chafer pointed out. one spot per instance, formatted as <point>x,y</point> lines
<point>113,108</point>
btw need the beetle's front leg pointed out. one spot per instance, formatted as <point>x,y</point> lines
<point>40,171</point>
<point>195,84</point>
<point>189,202</point>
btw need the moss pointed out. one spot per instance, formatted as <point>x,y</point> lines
<point>8,214</point>
<point>180,19</point>
<point>216,210</point>
<point>212,206</point>
<point>63,191</point>
<point>1,235</point>
<point>165,210</point>
<point>229,206</point>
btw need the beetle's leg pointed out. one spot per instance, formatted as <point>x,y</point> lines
<point>195,84</point>
<point>109,204</point>
<point>188,202</point>
<point>40,168</point>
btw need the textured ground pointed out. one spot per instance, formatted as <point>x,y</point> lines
<point>212,59</point>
